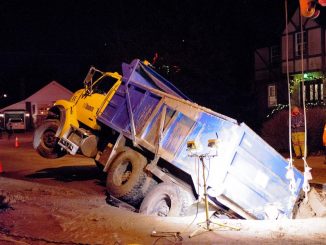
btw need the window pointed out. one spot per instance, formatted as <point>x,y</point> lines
<point>104,85</point>
<point>272,99</point>
<point>275,54</point>
<point>314,91</point>
<point>42,109</point>
<point>15,120</point>
<point>300,45</point>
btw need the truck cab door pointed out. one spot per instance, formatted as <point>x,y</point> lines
<point>93,100</point>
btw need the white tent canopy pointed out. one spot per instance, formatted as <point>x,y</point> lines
<point>46,95</point>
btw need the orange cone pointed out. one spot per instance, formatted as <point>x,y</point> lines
<point>16,142</point>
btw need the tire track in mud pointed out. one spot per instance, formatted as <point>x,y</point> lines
<point>27,209</point>
<point>19,239</point>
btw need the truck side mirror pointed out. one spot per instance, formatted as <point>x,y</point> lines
<point>88,82</point>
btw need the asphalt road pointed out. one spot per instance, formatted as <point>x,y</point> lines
<point>24,163</point>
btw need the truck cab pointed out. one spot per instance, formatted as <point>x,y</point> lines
<point>71,126</point>
<point>99,88</point>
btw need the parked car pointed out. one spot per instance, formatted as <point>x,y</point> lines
<point>16,124</point>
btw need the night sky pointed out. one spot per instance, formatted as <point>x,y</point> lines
<point>208,45</point>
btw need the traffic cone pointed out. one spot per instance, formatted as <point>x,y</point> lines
<point>16,142</point>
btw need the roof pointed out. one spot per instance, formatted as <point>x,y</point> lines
<point>49,93</point>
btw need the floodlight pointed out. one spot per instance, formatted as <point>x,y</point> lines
<point>191,145</point>
<point>212,143</point>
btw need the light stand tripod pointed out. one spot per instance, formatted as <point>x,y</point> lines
<point>208,222</point>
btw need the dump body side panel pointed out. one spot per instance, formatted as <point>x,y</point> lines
<point>246,170</point>
<point>116,114</point>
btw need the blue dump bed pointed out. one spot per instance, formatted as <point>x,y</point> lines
<point>246,172</point>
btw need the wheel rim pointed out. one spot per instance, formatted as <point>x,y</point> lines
<point>122,174</point>
<point>162,207</point>
<point>49,139</point>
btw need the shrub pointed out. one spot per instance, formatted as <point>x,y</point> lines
<point>275,131</point>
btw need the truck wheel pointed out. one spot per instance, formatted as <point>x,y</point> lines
<point>166,199</point>
<point>126,177</point>
<point>45,142</point>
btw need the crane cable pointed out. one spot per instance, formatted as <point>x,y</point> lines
<point>290,171</point>
<point>307,174</point>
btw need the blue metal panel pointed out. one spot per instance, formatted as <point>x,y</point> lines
<point>139,78</point>
<point>120,117</point>
<point>209,127</point>
<point>175,135</point>
<point>142,103</point>
<point>247,170</point>
<point>138,73</point>
<point>143,106</point>
<point>150,133</point>
<point>265,154</point>
<point>117,104</point>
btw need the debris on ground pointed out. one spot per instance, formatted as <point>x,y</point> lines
<point>4,201</point>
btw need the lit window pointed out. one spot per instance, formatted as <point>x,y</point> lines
<point>272,99</point>
<point>314,91</point>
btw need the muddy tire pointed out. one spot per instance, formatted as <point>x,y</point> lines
<point>45,142</point>
<point>166,199</point>
<point>126,177</point>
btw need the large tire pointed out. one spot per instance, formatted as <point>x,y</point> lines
<point>45,142</point>
<point>126,177</point>
<point>166,199</point>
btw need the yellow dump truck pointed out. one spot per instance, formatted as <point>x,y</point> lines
<point>149,138</point>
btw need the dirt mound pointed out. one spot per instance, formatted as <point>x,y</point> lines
<point>42,214</point>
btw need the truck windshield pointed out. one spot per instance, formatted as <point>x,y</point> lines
<point>104,85</point>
